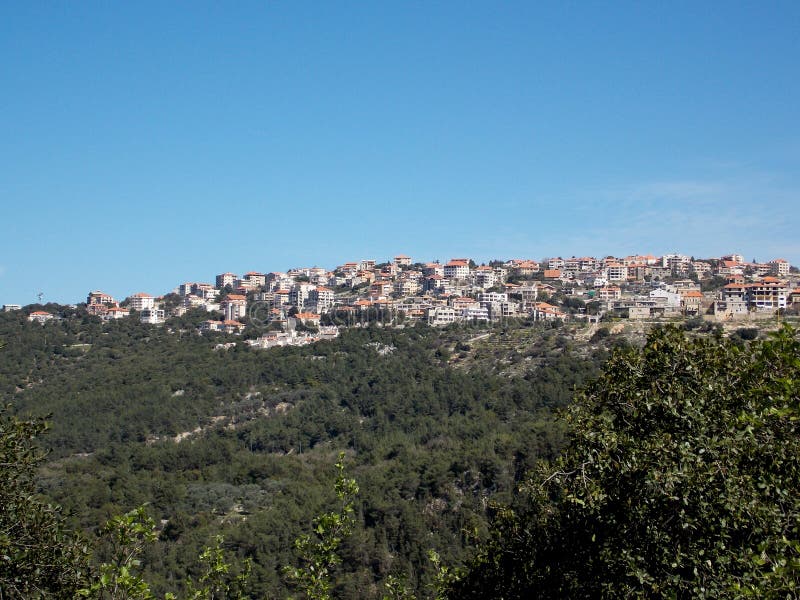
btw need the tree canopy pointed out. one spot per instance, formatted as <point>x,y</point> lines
<point>681,481</point>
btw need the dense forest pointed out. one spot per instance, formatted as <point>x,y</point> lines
<point>518,460</point>
<point>232,441</point>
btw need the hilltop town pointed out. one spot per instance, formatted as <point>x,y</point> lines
<point>303,305</point>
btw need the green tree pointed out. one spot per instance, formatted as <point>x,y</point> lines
<point>39,555</point>
<point>682,481</point>
<point>318,553</point>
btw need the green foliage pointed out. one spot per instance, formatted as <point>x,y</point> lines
<point>432,441</point>
<point>216,583</point>
<point>318,552</point>
<point>120,579</point>
<point>39,556</point>
<point>682,481</point>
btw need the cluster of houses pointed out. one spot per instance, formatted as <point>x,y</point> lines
<point>634,287</point>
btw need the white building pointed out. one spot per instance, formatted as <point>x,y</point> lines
<point>234,306</point>
<point>142,301</point>
<point>441,315</point>
<point>779,267</point>
<point>322,298</point>
<point>224,279</point>
<point>153,316</point>
<point>456,269</point>
<point>40,316</point>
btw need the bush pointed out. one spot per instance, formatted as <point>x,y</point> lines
<point>682,481</point>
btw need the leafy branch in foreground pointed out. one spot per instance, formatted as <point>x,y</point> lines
<point>318,551</point>
<point>128,535</point>
<point>120,579</point>
<point>39,556</point>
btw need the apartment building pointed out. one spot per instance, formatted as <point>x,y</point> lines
<point>779,267</point>
<point>457,269</point>
<point>234,306</point>
<point>224,279</point>
<point>142,301</point>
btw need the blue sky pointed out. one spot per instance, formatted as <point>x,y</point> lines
<point>145,144</point>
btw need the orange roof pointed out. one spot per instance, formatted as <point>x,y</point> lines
<point>692,294</point>
<point>40,313</point>
<point>235,297</point>
<point>236,323</point>
<point>552,273</point>
<point>141,295</point>
<point>307,316</point>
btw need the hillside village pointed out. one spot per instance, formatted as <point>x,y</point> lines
<point>304,305</point>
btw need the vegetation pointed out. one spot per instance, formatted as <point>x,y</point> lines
<point>681,481</point>
<point>38,554</point>
<point>238,443</point>
<point>674,474</point>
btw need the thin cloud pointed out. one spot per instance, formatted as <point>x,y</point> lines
<point>747,212</point>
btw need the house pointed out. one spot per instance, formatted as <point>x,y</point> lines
<point>768,294</point>
<point>98,297</point>
<point>299,294</point>
<point>794,298</point>
<point>779,267</point>
<point>153,316</point>
<point>234,306</point>
<point>475,313</point>
<point>381,289</point>
<point>307,318</point>
<point>542,311</point>
<point>616,271</point>
<point>115,312</point>
<point>255,279</point>
<point>485,277</point>
<point>10,307</point>
<point>526,268</point>
<point>225,279</point>
<point>231,326</point>
<point>40,316</point>
<point>141,301</point>
<point>730,267</point>
<point>678,264</point>
<point>691,302</point>
<point>322,298</point>
<point>609,292</point>
<point>441,315</point>
<point>552,273</point>
<point>401,260</point>
<point>433,269</point>
<point>457,268</point>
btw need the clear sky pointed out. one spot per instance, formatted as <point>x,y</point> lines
<point>143,144</point>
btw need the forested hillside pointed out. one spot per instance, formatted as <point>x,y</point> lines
<point>242,442</point>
